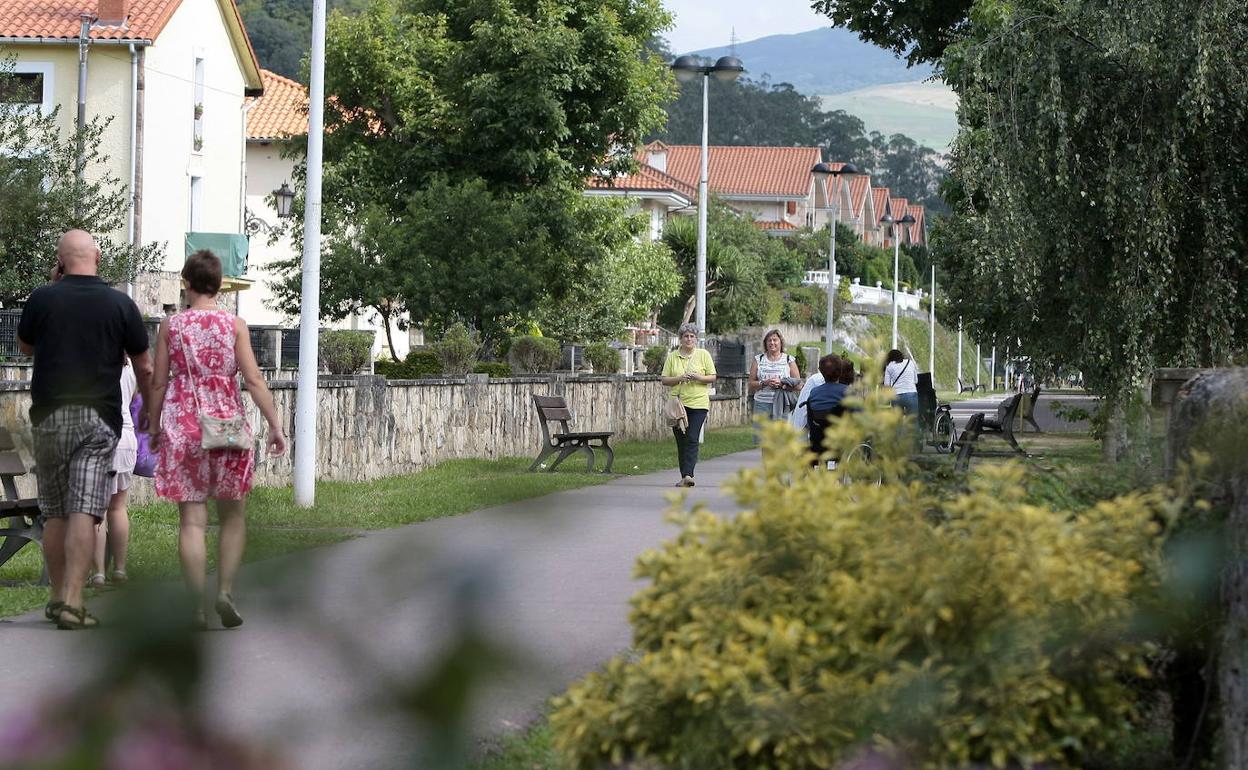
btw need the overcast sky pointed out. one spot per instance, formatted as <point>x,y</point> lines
<point>709,23</point>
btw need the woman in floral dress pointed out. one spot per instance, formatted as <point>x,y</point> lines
<point>199,354</point>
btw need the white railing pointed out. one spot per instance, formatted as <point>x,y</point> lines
<point>868,295</point>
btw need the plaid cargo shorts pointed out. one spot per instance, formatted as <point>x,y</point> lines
<point>74,459</point>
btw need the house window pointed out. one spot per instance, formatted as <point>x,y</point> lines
<point>790,208</point>
<point>27,85</point>
<point>197,107</point>
<point>196,204</point>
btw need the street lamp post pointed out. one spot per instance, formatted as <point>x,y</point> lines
<point>727,68</point>
<point>823,171</point>
<point>907,220</point>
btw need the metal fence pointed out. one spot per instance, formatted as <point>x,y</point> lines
<point>8,334</point>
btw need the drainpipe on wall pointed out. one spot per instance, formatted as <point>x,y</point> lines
<point>137,190</point>
<point>81,166</point>
<point>242,174</point>
<point>134,141</point>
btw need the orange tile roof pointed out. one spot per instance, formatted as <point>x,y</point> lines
<point>646,178</point>
<point>774,224</point>
<point>783,172</point>
<point>59,19</point>
<point>858,188</point>
<point>897,207</point>
<point>281,113</point>
<point>916,229</point>
<point>879,199</point>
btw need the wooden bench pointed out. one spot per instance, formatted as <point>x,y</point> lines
<point>966,442</point>
<point>1003,424</point>
<point>565,442</point>
<point>964,387</point>
<point>21,514</point>
<point>1029,411</point>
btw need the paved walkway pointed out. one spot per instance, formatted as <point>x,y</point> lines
<point>548,579</point>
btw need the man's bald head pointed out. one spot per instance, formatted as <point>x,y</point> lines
<point>78,252</point>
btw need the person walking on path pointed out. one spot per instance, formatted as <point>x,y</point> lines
<point>689,371</point>
<point>79,330</point>
<point>113,534</point>
<point>774,379</point>
<point>199,353</point>
<point>899,374</point>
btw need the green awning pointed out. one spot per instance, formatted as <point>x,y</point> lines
<point>231,248</point>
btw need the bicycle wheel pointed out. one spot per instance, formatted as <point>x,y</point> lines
<point>943,433</point>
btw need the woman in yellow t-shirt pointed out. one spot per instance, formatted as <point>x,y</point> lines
<point>689,371</point>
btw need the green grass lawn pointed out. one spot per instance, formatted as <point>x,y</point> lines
<point>276,526</point>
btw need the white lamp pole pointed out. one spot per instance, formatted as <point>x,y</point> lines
<point>978,363</point>
<point>959,351</point>
<point>931,330</point>
<point>907,220</point>
<point>822,171</point>
<point>687,68</point>
<point>310,308</point>
<point>992,370</point>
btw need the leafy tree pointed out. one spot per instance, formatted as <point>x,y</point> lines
<point>920,30</point>
<point>739,257</point>
<point>457,141</point>
<point>1102,237</point>
<point>41,198</point>
<point>626,282</point>
<point>281,31</point>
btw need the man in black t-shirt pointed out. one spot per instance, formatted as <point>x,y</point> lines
<point>78,330</point>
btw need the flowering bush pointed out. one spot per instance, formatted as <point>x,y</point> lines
<point>859,610</point>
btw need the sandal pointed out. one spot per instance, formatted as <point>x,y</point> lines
<point>227,611</point>
<point>97,581</point>
<point>120,577</point>
<point>53,610</point>
<point>75,619</point>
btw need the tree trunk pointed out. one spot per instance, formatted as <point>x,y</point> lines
<point>1128,428</point>
<point>1212,416</point>
<point>689,306</point>
<point>1233,656</point>
<point>385,323</point>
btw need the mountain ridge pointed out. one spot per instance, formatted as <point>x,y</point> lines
<point>822,61</point>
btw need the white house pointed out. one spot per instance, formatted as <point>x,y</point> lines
<point>172,77</point>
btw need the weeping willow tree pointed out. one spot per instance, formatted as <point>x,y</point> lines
<point>1100,186</point>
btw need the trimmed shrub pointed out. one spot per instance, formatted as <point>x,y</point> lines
<point>495,369</point>
<point>457,352</point>
<point>858,611</point>
<point>603,358</point>
<point>533,354</point>
<point>799,357</point>
<point>654,357</point>
<point>420,362</point>
<point>345,351</point>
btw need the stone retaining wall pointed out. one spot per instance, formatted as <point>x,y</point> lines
<point>369,428</point>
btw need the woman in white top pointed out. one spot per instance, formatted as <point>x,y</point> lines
<point>114,531</point>
<point>768,373</point>
<point>900,375</point>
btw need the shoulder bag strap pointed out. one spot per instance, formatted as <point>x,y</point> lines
<point>190,347</point>
<point>898,377</point>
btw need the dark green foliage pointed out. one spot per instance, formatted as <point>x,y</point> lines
<point>457,350</point>
<point>532,354</point>
<point>603,358</point>
<point>495,369</point>
<point>281,31</point>
<point>345,351</point>
<point>654,357</point>
<point>420,362</point>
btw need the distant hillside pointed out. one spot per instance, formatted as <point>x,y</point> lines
<point>822,61</point>
<point>925,112</point>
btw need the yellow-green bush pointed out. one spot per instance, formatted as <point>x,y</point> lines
<point>835,615</point>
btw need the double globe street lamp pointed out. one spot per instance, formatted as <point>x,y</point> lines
<point>727,68</point>
<point>905,221</point>
<point>822,171</point>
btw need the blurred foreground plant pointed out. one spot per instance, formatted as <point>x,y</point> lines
<point>861,611</point>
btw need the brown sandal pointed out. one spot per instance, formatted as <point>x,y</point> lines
<point>78,619</point>
<point>53,610</point>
